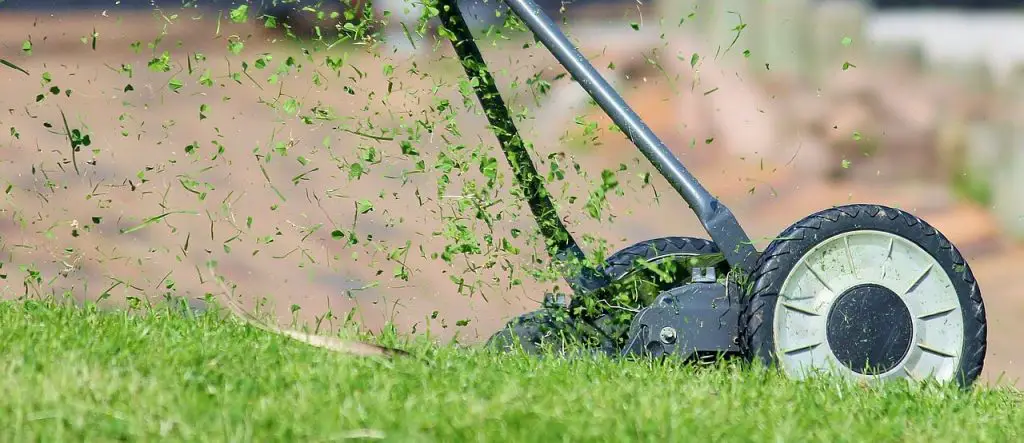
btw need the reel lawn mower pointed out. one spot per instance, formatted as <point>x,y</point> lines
<point>865,291</point>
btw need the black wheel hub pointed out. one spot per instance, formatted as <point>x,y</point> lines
<point>870,329</point>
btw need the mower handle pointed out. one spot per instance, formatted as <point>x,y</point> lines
<point>717,219</point>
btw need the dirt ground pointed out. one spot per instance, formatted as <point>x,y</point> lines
<point>69,224</point>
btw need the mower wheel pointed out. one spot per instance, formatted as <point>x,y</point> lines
<point>623,262</point>
<point>538,326</point>
<point>867,292</point>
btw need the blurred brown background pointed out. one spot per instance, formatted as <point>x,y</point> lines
<point>815,104</point>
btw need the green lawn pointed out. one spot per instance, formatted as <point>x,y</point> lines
<point>81,375</point>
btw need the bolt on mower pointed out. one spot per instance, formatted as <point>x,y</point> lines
<point>864,291</point>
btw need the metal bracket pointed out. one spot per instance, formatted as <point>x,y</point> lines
<point>554,301</point>
<point>703,275</point>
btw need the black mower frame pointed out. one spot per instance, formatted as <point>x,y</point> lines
<point>707,317</point>
<point>719,222</point>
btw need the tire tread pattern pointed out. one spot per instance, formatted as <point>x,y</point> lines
<point>756,334</point>
<point>620,263</point>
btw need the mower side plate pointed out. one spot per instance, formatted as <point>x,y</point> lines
<point>694,320</point>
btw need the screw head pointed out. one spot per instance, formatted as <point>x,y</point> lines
<point>668,335</point>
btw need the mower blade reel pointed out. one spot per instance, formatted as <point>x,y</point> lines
<point>691,321</point>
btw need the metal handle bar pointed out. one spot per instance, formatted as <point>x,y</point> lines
<point>720,223</point>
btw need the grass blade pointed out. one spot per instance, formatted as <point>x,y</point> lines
<point>154,219</point>
<point>351,347</point>
<point>67,129</point>
<point>13,66</point>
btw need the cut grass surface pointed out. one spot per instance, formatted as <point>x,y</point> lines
<point>74,374</point>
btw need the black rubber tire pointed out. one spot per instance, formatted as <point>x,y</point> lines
<point>533,328</point>
<point>619,264</point>
<point>757,339</point>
